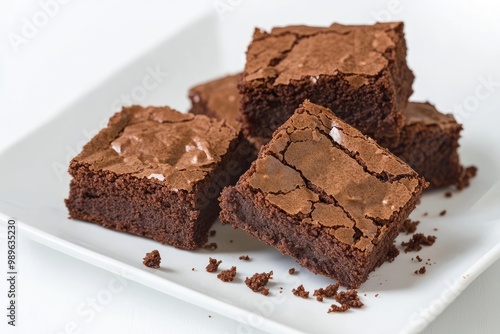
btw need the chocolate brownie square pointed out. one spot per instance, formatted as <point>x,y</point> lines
<point>429,144</point>
<point>217,98</point>
<point>325,194</point>
<point>360,72</point>
<point>156,173</point>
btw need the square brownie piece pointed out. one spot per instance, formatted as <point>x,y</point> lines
<point>429,144</point>
<point>156,173</point>
<point>325,194</point>
<point>217,98</point>
<point>360,72</point>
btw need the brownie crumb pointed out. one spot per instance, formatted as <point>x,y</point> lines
<point>467,174</point>
<point>231,241</point>
<point>209,316</point>
<point>227,275</point>
<point>338,309</point>
<point>211,246</point>
<point>291,271</point>
<point>327,292</point>
<point>419,259</point>
<point>213,265</point>
<point>392,253</point>
<point>408,226</point>
<point>301,292</point>
<point>245,258</point>
<point>349,297</point>
<point>152,259</point>
<point>212,233</point>
<point>416,242</point>
<point>442,213</point>
<point>192,269</point>
<point>376,295</point>
<point>448,194</point>
<point>421,271</point>
<point>258,282</point>
<point>425,214</point>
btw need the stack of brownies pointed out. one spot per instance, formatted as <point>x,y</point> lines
<point>340,158</point>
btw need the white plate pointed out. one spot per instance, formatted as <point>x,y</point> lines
<point>34,187</point>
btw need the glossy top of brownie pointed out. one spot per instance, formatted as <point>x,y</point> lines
<point>221,96</point>
<point>426,113</point>
<point>328,174</point>
<point>295,52</point>
<point>160,144</point>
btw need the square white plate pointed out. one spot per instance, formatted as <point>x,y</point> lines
<point>34,184</point>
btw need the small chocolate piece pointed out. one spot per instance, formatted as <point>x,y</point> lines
<point>227,275</point>
<point>211,246</point>
<point>419,259</point>
<point>442,213</point>
<point>291,271</point>
<point>212,233</point>
<point>213,265</point>
<point>156,173</point>
<point>421,271</point>
<point>408,226</point>
<point>467,174</point>
<point>349,297</point>
<point>338,309</point>
<point>328,292</point>
<point>324,194</point>
<point>300,292</point>
<point>359,71</point>
<point>416,242</point>
<point>245,258</point>
<point>152,259</point>
<point>448,194</point>
<point>258,282</point>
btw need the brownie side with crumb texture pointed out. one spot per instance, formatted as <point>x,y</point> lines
<point>429,144</point>
<point>156,173</point>
<point>326,195</point>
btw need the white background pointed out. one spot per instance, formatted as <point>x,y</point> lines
<point>451,46</point>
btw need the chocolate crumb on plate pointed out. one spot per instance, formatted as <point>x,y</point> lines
<point>448,194</point>
<point>421,271</point>
<point>419,259</point>
<point>442,213</point>
<point>349,297</point>
<point>152,259</point>
<point>213,265</point>
<point>258,282</point>
<point>211,246</point>
<point>408,226</point>
<point>416,242</point>
<point>245,258</point>
<point>227,275</point>
<point>291,271</point>
<point>212,233</point>
<point>467,174</point>
<point>338,309</point>
<point>327,292</point>
<point>301,292</point>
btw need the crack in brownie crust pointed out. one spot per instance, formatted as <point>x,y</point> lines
<point>309,196</point>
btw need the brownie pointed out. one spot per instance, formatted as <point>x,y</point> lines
<point>156,173</point>
<point>360,72</point>
<point>218,98</point>
<point>429,144</point>
<point>325,194</point>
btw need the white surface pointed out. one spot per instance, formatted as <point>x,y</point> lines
<point>69,56</point>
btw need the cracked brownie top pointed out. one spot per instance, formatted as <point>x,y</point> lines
<point>328,174</point>
<point>295,52</point>
<point>159,143</point>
